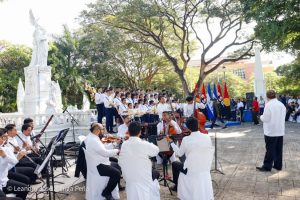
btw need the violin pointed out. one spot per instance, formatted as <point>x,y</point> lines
<point>110,139</point>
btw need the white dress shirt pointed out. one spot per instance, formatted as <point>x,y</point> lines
<point>98,99</point>
<point>274,118</point>
<point>137,168</point>
<point>25,139</point>
<point>160,127</point>
<point>123,109</point>
<point>107,101</point>
<point>240,105</point>
<point>196,184</point>
<point>95,147</point>
<point>6,163</point>
<point>117,101</point>
<point>129,100</point>
<point>188,110</point>
<point>122,129</point>
<point>161,108</point>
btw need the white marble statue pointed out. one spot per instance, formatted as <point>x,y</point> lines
<point>40,44</point>
<point>51,103</point>
<point>85,103</point>
<point>20,97</point>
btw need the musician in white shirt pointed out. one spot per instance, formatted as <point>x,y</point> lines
<point>99,100</point>
<point>123,128</point>
<point>163,129</point>
<point>162,106</point>
<point>141,179</point>
<point>105,168</point>
<point>6,163</point>
<point>189,108</point>
<point>273,120</point>
<point>195,182</point>
<point>123,108</point>
<point>109,111</point>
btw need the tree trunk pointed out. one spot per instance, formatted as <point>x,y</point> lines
<point>184,83</point>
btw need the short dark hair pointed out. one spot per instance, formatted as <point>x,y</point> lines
<point>271,94</point>
<point>27,121</point>
<point>134,128</point>
<point>2,131</point>
<point>166,112</point>
<point>25,127</point>
<point>9,127</point>
<point>189,98</point>
<point>192,124</point>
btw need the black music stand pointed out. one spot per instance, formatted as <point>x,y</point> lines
<point>61,135</point>
<point>163,153</point>
<point>61,138</point>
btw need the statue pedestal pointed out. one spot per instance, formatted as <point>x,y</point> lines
<point>37,89</point>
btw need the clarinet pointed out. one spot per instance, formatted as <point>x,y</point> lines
<point>24,155</point>
<point>30,147</point>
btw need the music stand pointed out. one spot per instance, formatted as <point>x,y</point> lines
<point>61,138</point>
<point>61,135</point>
<point>164,149</point>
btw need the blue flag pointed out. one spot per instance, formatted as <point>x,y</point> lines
<point>209,105</point>
<point>215,95</point>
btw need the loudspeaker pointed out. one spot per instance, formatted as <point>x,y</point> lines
<point>249,99</point>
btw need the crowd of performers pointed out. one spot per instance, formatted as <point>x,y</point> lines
<point>19,159</point>
<point>145,121</point>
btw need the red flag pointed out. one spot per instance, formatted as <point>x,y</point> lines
<point>226,96</point>
<point>203,91</point>
<point>219,90</point>
<point>196,91</point>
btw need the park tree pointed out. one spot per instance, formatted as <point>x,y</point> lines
<point>13,59</point>
<point>277,23</point>
<point>177,28</point>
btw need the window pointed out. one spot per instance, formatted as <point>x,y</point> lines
<point>240,73</point>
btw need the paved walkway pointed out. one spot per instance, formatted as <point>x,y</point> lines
<point>240,150</point>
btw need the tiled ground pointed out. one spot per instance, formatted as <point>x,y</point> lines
<point>240,150</point>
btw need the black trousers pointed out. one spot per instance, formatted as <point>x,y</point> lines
<point>255,117</point>
<point>242,113</point>
<point>109,114</point>
<point>3,197</point>
<point>27,171</point>
<point>19,177</point>
<point>113,171</point>
<point>24,162</point>
<point>100,110</point>
<point>273,156</point>
<point>177,167</point>
<point>16,187</point>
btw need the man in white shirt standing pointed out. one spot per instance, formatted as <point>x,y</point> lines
<point>162,106</point>
<point>141,179</point>
<point>109,111</point>
<point>99,100</point>
<point>273,120</point>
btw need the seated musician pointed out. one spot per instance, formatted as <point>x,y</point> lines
<point>21,167</point>
<point>123,129</point>
<point>164,127</point>
<point>7,161</point>
<point>199,153</point>
<point>24,141</point>
<point>123,109</point>
<point>105,168</point>
<point>141,179</point>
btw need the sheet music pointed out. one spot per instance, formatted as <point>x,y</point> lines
<point>163,145</point>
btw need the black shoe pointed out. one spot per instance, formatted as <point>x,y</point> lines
<point>262,169</point>
<point>36,182</point>
<point>113,132</point>
<point>108,197</point>
<point>174,188</point>
<point>121,188</point>
<point>279,169</point>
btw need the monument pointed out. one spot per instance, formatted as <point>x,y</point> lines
<point>41,94</point>
<point>259,82</point>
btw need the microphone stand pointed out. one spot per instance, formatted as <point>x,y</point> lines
<point>73,121</point>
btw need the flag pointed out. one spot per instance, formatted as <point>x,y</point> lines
<point>226,96</point>
<point>215,94</point>
<point>196,92</point>
<point>203,95</point>
<point>209,105</point>
<point>219,91</point>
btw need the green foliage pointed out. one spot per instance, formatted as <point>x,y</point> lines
<point>290,74</point>
<point>278,23</point>
<point>13,59</point>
